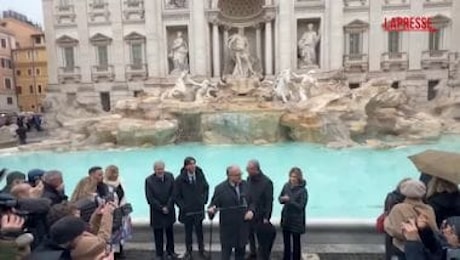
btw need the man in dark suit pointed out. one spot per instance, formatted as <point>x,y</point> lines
<point>260,202</point>
<point>230,199</point>
<point>159,188</point>
<point>191,196</point>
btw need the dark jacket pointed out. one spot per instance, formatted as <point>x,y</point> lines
<point>191,198</point>
<point>159,193</point>
<point>293,213</point>
<point>49,251</point>
<point>260,199</point>
<point>234,230</point>
<point>445,205</point>
<point>52,194</point>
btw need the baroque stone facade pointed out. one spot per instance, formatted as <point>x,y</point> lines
<point>105,50</point>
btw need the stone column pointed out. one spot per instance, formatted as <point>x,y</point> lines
<point>226,29</point>
<point>215,50</point>
<point>268,48</point>
<point>335,39</point>
<point>417,40</point>
<point>285,16</point>
<point>50,35</point>
<point>118,46</point>
<point>259,42</point>
<point>85,54</point>
<point>153,38</point>
<point>197,30</point>
<point>376,35</point>
<point>455,39</point>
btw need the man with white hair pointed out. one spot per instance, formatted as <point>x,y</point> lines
<point>54,187</point>
<point>159,190</point>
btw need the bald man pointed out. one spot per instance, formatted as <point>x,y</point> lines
<point>230,199</point>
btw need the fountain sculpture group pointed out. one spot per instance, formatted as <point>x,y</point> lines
<point>244,107</point>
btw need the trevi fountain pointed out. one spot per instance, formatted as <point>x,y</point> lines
<point>243,107</point>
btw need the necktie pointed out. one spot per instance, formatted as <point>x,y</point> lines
<point>192,180</point>
<point>237,190</point>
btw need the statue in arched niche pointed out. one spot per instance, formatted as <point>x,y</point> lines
<point>241,63</point>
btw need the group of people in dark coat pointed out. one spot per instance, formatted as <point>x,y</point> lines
<point>245,209</point>
<point>425,237</point>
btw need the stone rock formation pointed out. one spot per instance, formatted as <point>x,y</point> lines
<point>314,110</point>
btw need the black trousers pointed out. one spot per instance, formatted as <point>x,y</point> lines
<point>227,252</point>
<point>159,238</point>
<point>292,249</point>
<point>252,240</point>
<point>256,248</point>
<point>189,227</point>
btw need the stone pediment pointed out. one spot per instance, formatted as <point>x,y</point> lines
<point>134,36</point>
<point>66,40</point>
<point>356,26</point>
<point>99,38</point>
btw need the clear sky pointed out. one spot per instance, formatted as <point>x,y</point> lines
<point>30,8</point>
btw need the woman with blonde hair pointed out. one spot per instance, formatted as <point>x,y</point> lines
<point>294,197</point>
<point>122,231</point>
<point>444,197</point>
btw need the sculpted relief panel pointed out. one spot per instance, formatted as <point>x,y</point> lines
<point>178,50</point>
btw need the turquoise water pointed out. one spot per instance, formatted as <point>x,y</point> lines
<point>350,183</point>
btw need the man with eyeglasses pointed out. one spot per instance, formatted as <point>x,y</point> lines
<point>230,200</point>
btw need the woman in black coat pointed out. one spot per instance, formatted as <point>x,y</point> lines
<point>294,196</point>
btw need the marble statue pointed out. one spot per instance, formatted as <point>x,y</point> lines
<point>307,47</point>
<point>179,54</point>
<point>176,3</point>
<point>179,90</point>
<point>307,81</point>
<point>238,46</point>
<point>205,90</point>
<point>282,90</point>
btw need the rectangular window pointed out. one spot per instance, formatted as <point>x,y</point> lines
<point>3,43</point>
<point>39,88</point>
<point>2,61</point>
<point>9,100</point>
<point>18,90</point>
<point>8,64</point>
<point>393,42</point>
<point>432,92</point>
<point>136,54</point>
<point>18,73</point>
<point>435,41</point>
<point>37,72</point>
<point>69,61</point>
<point>29,55</point>
<point>38,40</point>
<point>29,72</point>
<point>98,3</point>
<point>102,56</point>
<point>8,84</point>
<point>31,89</point>
<point>355,43</point>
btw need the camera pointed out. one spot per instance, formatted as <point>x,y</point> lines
<point>9,204</point>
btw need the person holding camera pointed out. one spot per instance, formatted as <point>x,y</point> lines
<point>230,200</point>
<point>13,243</point>
<point>422,243</point>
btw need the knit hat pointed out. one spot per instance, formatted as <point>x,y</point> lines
<point>67,229</point>
<point>88,248</point>
<point>413,189</point>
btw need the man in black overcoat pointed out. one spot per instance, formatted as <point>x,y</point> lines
<point>230,200</point>
<point>159,192</point>
<point>191,196</point>
<point>260,202</point>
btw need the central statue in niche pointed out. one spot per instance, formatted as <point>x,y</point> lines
<point>243,71</point>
